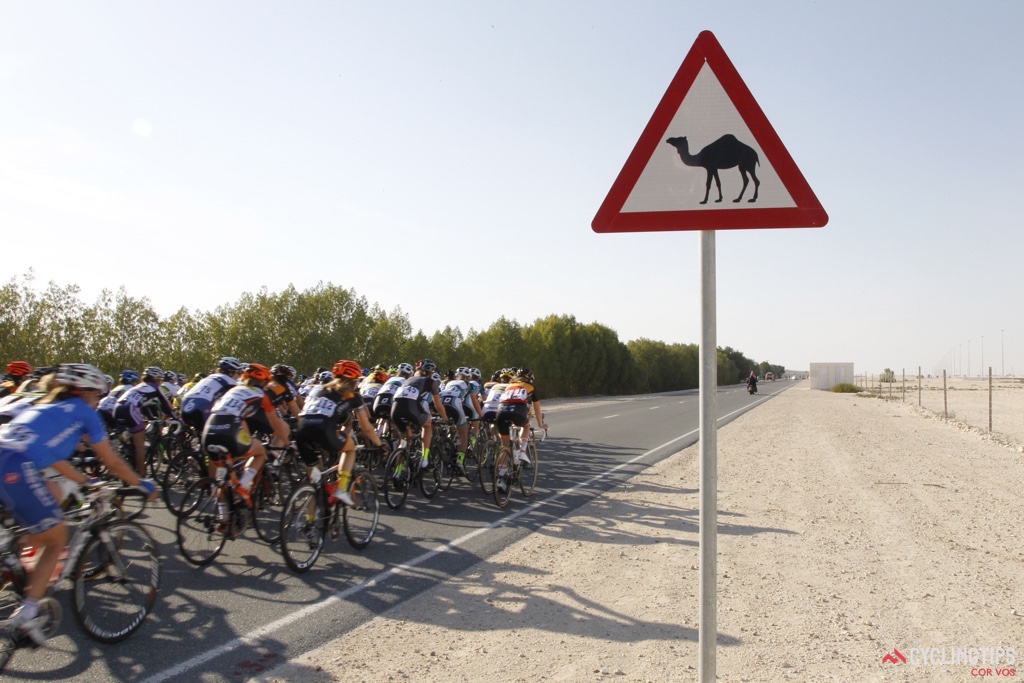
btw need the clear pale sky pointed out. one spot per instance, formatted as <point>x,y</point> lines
<point>448,158</point>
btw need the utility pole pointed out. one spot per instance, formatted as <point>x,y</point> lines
<point>983,355</point>
<point>1002,354</point>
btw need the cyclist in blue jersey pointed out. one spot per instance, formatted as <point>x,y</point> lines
<point>42,437</point>
<point>197,404</point>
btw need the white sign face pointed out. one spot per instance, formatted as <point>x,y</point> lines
<point>700,132</point>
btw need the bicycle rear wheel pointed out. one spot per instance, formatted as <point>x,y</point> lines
<point>470,467</point>
<point>201,534</point>
<point>446,461</point>
<point>430,478</point>
<point>485,464</point>
<point>397,479</point>
<point>503,476</point>
<point>268,504</point>
<point>303,527</point>
<point>116,579</point>
<point>361,521</point>
<point>183,469</point>
<point>528,473</point>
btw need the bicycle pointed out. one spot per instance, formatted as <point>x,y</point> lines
<point>487,446</point>
<point>402,471</point>
<point>311,514</point>
<point>509,470</point>
<point>113,566</point>
<point>203,527</point>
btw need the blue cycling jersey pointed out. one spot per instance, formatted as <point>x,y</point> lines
<point>49,433</point>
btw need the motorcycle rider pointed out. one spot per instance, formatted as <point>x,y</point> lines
<point>752,382</point>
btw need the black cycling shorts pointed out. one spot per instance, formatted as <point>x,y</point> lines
<point>408,413</point>
<point>509,414</point>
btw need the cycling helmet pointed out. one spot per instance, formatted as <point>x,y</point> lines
<point>426,365</point>
<point>170,375</point>
<point>300,379</point>
<point>325,377</point>
<point>436,377</point>
<point>404,369</point>
<point>282,370</point>
<point>474,373</point>
<point>109,380</point>
<point>505,376</point>
<point>257,371</point>
<point>464,373</point>
<point>291,371</point>
<point>129,376</point>
<point>496,376</point>
<point>364,372</point>
<point>153,372</point>
<point>229,364</point>
<point>379,376</point>
<point>347,368</point>
<point>525,373</point>
<point>198,376</point>
<point>18,368</point>
<point>81,376</point>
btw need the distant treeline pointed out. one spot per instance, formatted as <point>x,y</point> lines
<point>319,325</point>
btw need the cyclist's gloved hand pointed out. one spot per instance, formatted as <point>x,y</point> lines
<point>147,486</point>
<point>91,483</point>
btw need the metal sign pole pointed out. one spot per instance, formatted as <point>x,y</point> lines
<point>708,625</point>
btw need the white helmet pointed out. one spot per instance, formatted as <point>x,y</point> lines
<point>154,372</point>
<point>405,369</point>
<point>81,376</point>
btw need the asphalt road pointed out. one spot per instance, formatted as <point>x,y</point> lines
<point>248,612</point>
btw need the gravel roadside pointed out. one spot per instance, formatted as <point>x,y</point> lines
<point>849,527</point>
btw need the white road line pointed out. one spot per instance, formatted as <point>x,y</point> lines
<point>274,626</point>
<point>654,408</point>
<point>607,416</point>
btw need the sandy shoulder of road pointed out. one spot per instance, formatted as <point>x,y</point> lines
<point>849,527</point>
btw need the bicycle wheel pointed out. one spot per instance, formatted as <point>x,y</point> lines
<point>446,461</point>
<point>397,479</point>
<point>291,474</point>
<point>430,478</point>
<point>156,456</point>
<point>201,534</point>
<point>183,469</point>
<point>528,473</point>
<point>471,467</point>
<point>115,581</point>
<point>360,522</point>
<point>129,503</point>
<point>267,503</point>
<point>485,464</point>
<point>303,527</point>
<point>503,476</point>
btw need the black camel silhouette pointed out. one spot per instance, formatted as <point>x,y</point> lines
<point>725,152</point>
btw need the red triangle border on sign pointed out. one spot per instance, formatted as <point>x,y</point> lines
<point>808,212</point>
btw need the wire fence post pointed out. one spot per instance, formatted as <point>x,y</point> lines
<point>945,400</point>
<point>904,385</point>
<point>918,386</point>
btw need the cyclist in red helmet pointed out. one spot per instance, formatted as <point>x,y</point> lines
<point>18,371</point>
<point>243,408</point>
<point>326,421</point>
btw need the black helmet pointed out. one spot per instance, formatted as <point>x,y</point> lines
<point>426,365</point>
<point>281,370</point>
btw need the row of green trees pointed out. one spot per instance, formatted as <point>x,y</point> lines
<point>318,325</point>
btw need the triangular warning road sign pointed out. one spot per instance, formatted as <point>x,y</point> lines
<point>708,160</point>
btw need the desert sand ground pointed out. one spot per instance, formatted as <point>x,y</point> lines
<point>849,527</point>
